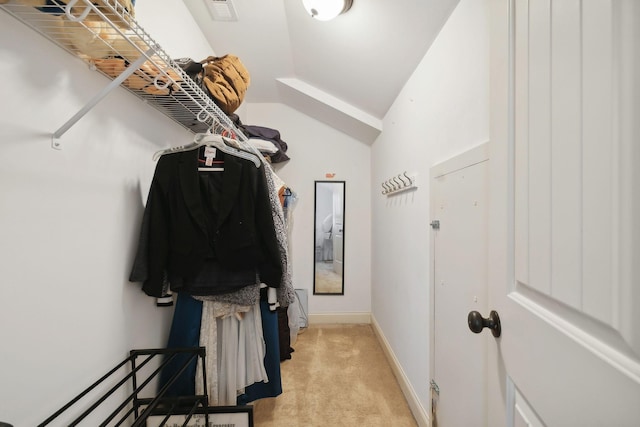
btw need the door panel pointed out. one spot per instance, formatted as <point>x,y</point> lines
<point>578,210</point>
<point>523,414</point>
<point>459,202</point>
<point>564,210</point>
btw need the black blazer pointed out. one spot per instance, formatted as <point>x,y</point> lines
<point>179,237</point>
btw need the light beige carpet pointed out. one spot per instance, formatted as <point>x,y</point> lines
<point>327,280</point>
<point>338,376</point>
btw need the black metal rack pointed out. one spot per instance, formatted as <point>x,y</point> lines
<point>145,368</point>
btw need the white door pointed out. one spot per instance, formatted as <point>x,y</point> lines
<point>338,245</point>
<point>564,236</point>
<point>338,230</point>
<point>459,205</point>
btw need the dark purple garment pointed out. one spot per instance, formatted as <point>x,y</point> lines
<point>268,134</point>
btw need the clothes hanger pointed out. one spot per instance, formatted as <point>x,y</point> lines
<point>210,162</point>
<point>223,144</point>
<point>213,140</point>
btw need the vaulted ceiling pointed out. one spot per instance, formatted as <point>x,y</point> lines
<point>346,72</point>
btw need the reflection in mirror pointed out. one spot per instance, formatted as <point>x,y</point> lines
<point>329,238</point>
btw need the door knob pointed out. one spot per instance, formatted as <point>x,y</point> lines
<point>477,322</point>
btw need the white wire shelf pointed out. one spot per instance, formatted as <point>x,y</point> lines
<point>104,35</point>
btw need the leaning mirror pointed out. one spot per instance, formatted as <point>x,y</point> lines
<point>329,238</point>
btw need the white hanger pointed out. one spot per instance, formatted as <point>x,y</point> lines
<point>212,140</point>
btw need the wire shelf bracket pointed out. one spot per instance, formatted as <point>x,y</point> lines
<point>55,138</point>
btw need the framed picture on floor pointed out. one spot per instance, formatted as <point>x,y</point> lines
<point>219,416</point>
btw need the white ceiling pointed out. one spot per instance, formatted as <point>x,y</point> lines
<point>346,72</point>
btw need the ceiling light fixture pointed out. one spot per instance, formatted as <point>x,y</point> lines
<point>324,10</point>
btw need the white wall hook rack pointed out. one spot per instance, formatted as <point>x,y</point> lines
<point>398,184</point>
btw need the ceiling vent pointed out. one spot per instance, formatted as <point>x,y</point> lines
<point>221,10</point>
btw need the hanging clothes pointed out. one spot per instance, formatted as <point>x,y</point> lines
<point>185,332</point>
<point>285,293</point>
<point>216,238</point>
<point>242,355</point>
<point>235,350</point>
<point>195,252</point>
<point>273,388</point>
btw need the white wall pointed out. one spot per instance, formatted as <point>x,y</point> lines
<point>442,111</point>
<point>70,218</point>
<point>315,150</point>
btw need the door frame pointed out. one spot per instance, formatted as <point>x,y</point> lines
<point>472,156</point>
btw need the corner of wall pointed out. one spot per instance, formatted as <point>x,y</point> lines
<point>420,414</point>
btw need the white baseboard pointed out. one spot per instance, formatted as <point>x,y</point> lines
<point>325,318</point>
<point>418,411</point>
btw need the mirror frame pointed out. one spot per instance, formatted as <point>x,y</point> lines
<point>316,238</point>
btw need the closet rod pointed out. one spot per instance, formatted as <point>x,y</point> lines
<point>99,96</point>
